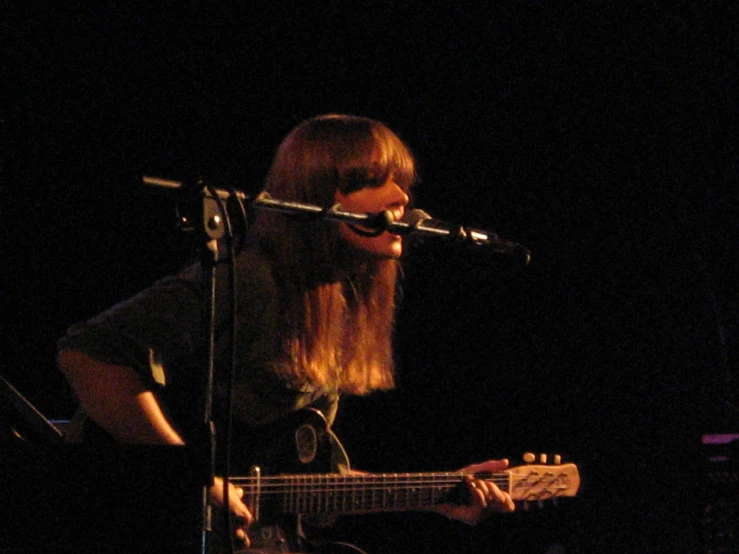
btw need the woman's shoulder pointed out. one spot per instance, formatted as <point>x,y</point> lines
<point>254,270</point>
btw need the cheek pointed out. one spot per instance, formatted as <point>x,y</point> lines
<point>354,202</point>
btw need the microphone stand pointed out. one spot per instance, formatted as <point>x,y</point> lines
<point>213,232</point>
<point>208,209</point>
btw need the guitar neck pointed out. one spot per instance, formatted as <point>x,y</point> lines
<point>353,494</point>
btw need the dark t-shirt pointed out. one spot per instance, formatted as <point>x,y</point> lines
<point>160,333</point>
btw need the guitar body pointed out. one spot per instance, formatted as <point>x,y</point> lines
<point>299,444</point>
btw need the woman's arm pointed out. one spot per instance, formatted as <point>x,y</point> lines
<point>115,398</point>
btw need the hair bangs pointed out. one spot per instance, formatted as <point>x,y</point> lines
<point>375,158</point>
<point>393,158</point>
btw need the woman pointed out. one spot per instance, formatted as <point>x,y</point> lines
<point>314,308</point>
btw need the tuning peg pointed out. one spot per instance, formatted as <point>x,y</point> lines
<point>542,458</point>
<point>557,459</point>
<point>529,457</point>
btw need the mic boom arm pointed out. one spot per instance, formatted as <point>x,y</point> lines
<point>415,222</point>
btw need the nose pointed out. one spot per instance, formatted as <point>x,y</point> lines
<point>397,195</point>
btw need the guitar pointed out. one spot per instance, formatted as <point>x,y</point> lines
<point>275,498</point>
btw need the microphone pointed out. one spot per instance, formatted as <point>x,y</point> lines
<point>419,223</point>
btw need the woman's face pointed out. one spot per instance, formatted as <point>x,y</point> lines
<point>388,196</point>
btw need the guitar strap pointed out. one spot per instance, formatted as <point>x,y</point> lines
<point>339,458</point>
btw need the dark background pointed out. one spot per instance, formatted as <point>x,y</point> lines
<point>601,135</point>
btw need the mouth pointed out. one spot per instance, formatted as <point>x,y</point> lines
<point>395,216</point>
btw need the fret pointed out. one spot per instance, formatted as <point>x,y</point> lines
<point>363,501</point>
<point>336,499</point>
<point>319,492</point>
<point>304,492</point>
<point>324,493</point>
<point>310,495</point>
<point>356,492</point>
<point>344,496</point>
<point>287,501</point>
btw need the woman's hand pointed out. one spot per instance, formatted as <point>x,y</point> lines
<point>240,515</point>
<point>485,496</point>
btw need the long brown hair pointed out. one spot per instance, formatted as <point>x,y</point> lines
<point>337,308</point>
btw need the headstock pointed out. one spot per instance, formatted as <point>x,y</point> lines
<point>538,482</point>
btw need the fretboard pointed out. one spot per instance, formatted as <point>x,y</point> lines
<point>347,494</point>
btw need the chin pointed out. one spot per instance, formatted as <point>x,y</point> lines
<point>393,254</point>
<point>380,254</point>
<point>391,251</point>
<point>384,247</point>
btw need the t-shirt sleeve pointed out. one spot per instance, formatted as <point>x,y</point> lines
<point>154,330</point>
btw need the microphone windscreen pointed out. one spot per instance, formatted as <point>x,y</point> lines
<point>415,216</point>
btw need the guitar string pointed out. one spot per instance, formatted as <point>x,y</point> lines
<point>390,479</point>
<point>385,477</point>
<point>338,484</point>
<point>452,475</point>
<point>411,477</point>
<point>350,481</point>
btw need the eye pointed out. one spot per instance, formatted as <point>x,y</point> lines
<point>359,178</point>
